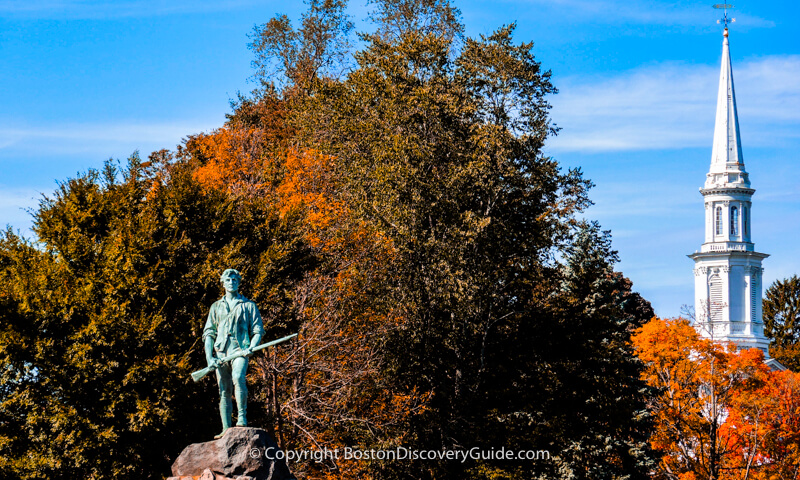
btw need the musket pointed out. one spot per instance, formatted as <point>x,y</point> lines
<point>196,376</point>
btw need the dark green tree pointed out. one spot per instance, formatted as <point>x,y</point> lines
<point>781,309</point>
<point>597,417</point>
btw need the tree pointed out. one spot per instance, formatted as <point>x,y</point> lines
<point>781,306</point>
<point>101,317</point>
<point>700,384</point>
<point>331,391</point>
<point>579,366</point>
<point>295,58</point>
<point>765,426</point>
<point>440,151</point>
<point>396,18</point>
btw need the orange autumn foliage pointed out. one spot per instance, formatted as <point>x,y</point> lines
<point>764,425</point>
<point>308,186</point>
<point>699,384</point>
<point>231,160</point>
<point>242,158</point>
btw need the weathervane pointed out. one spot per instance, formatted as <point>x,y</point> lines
<point>725,20</point>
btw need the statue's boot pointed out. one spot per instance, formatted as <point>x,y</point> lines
<point>225,411</point>
<point>241,407</point>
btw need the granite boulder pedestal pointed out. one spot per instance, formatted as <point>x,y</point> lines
<point>243,453</point>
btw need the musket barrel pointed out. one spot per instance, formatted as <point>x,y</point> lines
<point>199,374</point>
<point>274,342</point>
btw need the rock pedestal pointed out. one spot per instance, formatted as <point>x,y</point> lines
<point>242,454</point>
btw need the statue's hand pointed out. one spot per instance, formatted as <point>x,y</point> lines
<point>248,351</point>
<point>213,361</point>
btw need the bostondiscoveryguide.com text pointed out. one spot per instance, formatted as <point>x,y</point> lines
<point>399,453</point>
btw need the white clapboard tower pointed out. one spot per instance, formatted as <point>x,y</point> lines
<point>727,271</point>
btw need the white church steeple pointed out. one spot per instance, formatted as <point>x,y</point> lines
<point>728,273</point>
<point>726,154</point>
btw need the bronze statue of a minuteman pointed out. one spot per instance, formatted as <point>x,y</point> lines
<point>234,325</point>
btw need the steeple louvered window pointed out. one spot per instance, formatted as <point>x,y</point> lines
<point>734,221</point>
<point>718,221</point>
<point>715,300</point>
<point>754,297</point>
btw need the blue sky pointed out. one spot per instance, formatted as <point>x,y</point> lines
<point>85,80</point>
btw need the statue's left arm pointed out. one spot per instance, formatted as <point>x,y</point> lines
<point>210,336</point>
<point>256,327</point>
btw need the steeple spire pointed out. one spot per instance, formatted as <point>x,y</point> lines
<point>726,154</point>
<point>728,273</point>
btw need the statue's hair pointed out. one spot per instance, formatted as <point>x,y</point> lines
<point>230,272</point>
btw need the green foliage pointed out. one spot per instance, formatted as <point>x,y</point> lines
<point>781,309</point>
<point>101,318</point>
<point>597,414</point>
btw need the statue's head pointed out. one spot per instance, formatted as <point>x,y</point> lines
<point>231,279</point>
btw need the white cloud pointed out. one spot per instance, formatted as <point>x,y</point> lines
<point>101,9</point>
<point>37,153</point>
<point>644,136</point>
<point>672,106</point>
<point>682,12</point>
<point>106,139</point>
